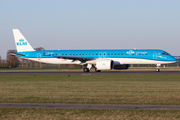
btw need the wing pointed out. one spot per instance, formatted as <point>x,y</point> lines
<point>80,58</point>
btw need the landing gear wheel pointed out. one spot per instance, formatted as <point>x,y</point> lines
<point>157,70</point>
<point>85,70</point>
<point>97,70</point>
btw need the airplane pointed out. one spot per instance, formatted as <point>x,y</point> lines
<point>99,59</point>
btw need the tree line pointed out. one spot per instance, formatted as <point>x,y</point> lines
<point>12,61</point>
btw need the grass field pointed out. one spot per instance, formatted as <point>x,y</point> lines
<point>69,114</point>
<point>91,89</point>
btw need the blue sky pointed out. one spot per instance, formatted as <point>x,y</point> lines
<point>92,24</point>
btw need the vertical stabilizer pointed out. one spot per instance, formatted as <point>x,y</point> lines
<point>21,42</point>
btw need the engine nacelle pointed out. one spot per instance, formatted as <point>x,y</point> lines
<point>120,67</point>
<point>104,64</point>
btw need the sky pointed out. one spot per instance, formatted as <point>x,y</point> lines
<point>92,24</point>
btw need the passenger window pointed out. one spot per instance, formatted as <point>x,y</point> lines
<point>133,54</point>
<point>73,54</point>
<point>114,54</point>
<point>65,54</point>
<point>139,53</point>
<point>122,54</point>
<point>146,54</point>
<point>89,54</point>
<point>111,54</point>
<point>79,54</point>
<point>118,54</point>
<point>92,54</point>
<point>125,54</point>
<point>96,54</point>
<point>62,54</point>
<point>59,54</point>
<point>108,54</point>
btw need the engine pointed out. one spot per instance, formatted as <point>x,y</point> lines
<point>104,64</point>
<point>119,67</point>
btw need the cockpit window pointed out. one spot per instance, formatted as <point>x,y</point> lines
<point>165,53</point>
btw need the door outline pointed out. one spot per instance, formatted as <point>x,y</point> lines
<point>154,55</point>
<point>39,56</point>
<point>100,54</point>
<point>104,55</point>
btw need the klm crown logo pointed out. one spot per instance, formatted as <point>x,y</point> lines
<point>21,42</point>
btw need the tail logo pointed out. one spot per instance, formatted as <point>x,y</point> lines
<point>21,42</point>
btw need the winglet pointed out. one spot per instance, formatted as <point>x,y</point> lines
<point>21,42</point>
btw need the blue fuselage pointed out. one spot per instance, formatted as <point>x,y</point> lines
<point>148,54</point>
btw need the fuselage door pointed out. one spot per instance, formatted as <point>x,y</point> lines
<point>100,55</point>
<point>154,55</point>
<point>104,55</point>
<point>39,56</point>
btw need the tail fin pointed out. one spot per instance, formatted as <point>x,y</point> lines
<point>21,42</point>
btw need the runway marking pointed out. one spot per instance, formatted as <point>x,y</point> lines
<point>89,106</point>
<point>85,74</point>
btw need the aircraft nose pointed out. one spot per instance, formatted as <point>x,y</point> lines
<point>173,59</point>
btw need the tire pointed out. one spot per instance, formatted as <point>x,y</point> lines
<point>97,70</point>
<point>157,70</point>
<point>85,70</point>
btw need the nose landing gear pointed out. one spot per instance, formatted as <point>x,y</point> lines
<point>157,68</point>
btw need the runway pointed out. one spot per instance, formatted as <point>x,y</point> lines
<point>90,73</point>
<point>89,106</point>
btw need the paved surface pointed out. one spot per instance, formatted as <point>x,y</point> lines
<point>90,73</point>
<point>89,106</point>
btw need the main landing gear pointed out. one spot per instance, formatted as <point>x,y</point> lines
<point>97,70</point>
<point>87,68</point>
<point>157,68</point>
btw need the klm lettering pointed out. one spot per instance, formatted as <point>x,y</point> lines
<point>21,43</point>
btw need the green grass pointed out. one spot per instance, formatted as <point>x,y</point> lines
<point>91,89</point>
<point>83,114</point>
